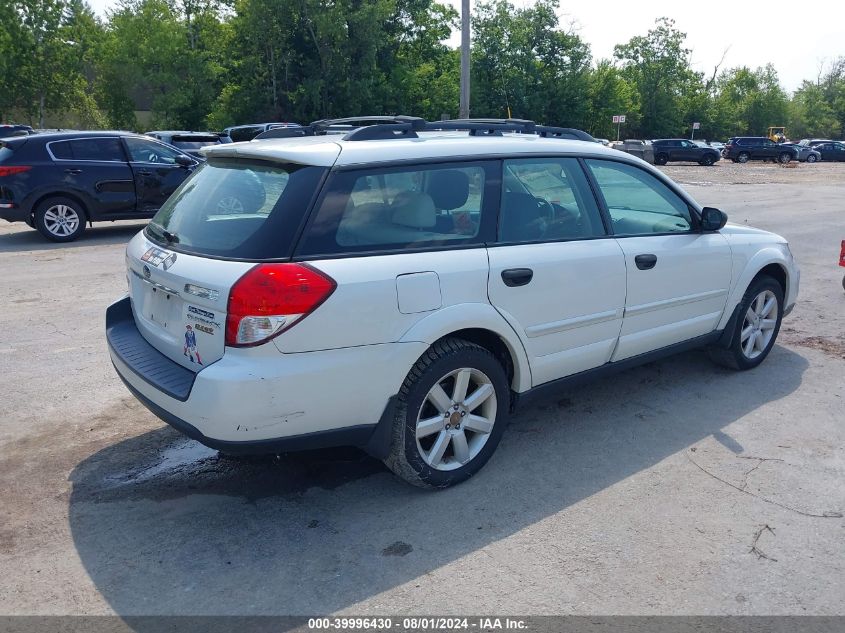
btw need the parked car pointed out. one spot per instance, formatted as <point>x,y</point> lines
<point>56,182</point>
<point>671,150</point>
<point>718,146</point>
<point>813,141</point>
<point>190,142</point>
<point>741,149</point>
<point>831,150</point>
<point>240,133</point>
<point>635,147</point>
<point>806,154</point>
<point>391,288</point>
<point>11,129</point>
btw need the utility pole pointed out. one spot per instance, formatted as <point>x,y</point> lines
<point>464,107</point>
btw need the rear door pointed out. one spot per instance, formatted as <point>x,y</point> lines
<point>677,277</point>
<point>402,243</point>
<point>555,276</point>
<point>97,169</point>
<point>155,172</point>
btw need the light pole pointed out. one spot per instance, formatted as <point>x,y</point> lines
<point>464,107</point>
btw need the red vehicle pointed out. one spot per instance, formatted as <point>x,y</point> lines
<point>842,261</point>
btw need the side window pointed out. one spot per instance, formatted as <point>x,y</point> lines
<point>396,208</point>
<point>102,149</point>
<point>142,151</point>
<point>61,150</point>
<point>545,199</point>
<point>639,203</point>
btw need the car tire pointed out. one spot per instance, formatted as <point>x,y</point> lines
<point>743,157</point>
<point>661,159</point>
<point>754,322</point>
<point>60,219</point>
<point>707,160</point>
<point>784,158</point>
<point>429,448</point>
<point>812,158</point>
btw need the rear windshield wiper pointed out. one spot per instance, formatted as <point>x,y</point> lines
<point>171,238</point>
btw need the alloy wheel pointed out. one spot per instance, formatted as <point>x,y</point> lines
<point>456,419</point>
<point>61,220</point>
<point>758,327</point>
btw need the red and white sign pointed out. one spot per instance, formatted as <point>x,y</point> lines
<point>696,126</point>
<point>616,118</point>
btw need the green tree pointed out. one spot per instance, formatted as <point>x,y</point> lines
<point>658,65</point>
<point>526,66</point>
<point>609,94</point>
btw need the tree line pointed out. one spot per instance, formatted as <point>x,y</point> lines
<point>203,64</point>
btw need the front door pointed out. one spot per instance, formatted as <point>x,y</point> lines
<point>156,172</point>
<point>677,277</point>
<point>555,275</point>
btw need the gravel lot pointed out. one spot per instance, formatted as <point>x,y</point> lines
<point>674,488</point>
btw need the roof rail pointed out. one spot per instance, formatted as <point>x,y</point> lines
<point>370,128</point>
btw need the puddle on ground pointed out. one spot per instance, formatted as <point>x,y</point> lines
<point>172,459</point>
<point>160,466</point>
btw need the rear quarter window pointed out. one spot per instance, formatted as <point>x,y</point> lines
<point>400,208</point>
<point>241,209</point>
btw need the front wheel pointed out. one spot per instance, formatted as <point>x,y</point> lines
<point>661,159</point>
<point>812,158</point>
<point>450,415</point>
<point>784,158</point>
<point>707,160</point>
<point>60,219</point>
<point>757,327</point>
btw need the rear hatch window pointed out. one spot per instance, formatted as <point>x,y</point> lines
<point>238,209</point>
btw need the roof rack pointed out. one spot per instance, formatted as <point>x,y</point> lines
<point>369,128</point>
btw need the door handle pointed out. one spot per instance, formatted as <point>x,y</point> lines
<point>145,173</point>
<point>517,276</point>
<point>73,172</point>
<point>646,262</point>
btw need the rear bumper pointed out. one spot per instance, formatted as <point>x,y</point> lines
<point>258,400</point>
<point>11,212</point>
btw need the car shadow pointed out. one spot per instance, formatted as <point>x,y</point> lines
<point>166,526</point>
<point>32,240</point>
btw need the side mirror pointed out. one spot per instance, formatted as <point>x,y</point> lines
<point>185,161</point>
<point>712,219</point>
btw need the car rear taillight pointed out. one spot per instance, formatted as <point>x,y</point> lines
<point>270,298</point>
<point>11,171</point>
<point>842,254</point>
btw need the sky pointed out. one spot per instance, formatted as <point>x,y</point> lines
<point>798,38</point>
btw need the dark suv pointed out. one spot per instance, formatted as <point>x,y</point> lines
<point>56,182</point>
<point>741,149</point>
<point>670,150</point>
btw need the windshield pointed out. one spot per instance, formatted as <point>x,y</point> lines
<point>235,208</point>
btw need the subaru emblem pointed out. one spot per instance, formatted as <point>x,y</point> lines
<point>147,272</point>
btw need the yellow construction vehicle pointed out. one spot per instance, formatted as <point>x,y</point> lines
<point>777,134</point>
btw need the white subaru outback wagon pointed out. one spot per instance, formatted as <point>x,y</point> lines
<point>400,287</point>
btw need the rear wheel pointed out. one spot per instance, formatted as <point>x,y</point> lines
<point>60,219</point>
<point>784,158</point>
<point>757,327</point>
<point>743,157</point>
<point>661,159</point>
<point>450,416</point>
